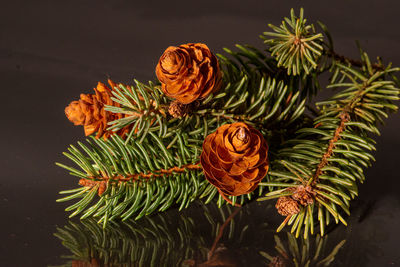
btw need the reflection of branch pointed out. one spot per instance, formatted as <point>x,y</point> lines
<point>302,252</point>
<point>331,257</point>
<point>220,232</point>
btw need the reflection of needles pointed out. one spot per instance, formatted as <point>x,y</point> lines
<point>162,240</point>
<point>301,253</point>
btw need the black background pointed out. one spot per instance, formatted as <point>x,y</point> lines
<point>51,51</point>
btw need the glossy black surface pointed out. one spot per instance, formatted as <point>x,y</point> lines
<point>52,51</point>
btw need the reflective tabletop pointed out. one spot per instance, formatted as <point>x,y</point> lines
<point>50,52</point>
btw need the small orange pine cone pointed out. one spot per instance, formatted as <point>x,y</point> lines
<point>89,111</point>
<point>178,110</point>
<point>304,195</point>
<point>188,72</point>
<point>287,206</point>
<point>234,158</point>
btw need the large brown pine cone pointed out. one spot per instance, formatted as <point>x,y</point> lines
<point>234,158</point>
<point>89,111</point>
<point>188,72</point>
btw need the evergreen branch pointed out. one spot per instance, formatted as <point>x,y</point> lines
<point>251,61</point>
<point>157,165</point>
<point>262,102</point>
<point>297,47</point>
<point>356,63</point>
<point>319,168</point>
<point>153,164</point>
<point>91,182</point>
<point>125,177</point>
<point>344,117</point>
<point>144,106</point>
<point>138,178</point>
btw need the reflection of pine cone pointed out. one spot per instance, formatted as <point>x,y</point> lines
<point>287,206</point>
<point>188,72</point>
<point>234,158</point>
<point>78,263</point>
<point>277,262</point>
<point>222,257</point>
<point>89,112</point>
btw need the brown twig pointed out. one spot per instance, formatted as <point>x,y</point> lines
<point>102,181</point>
<point>353,62</point>
<point>344,117</point>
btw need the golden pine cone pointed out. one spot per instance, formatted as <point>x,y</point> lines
<point>234,158</point>
<point>188,72</point>
<point>287,206</point>
<point>89,111</point>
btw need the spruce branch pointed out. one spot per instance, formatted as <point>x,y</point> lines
<point>252,61</point>
<point>296,46</point>
<point>356,63</point>
<point>263,102</point>
<point>319,169</point>
<point>156,166</point>
<point>135,178</point>
<point>144,107</point>
<point>316,161</point>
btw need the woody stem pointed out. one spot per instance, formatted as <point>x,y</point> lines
<point>91,181</point>
<point>344,118</point>
<point>353,62</point>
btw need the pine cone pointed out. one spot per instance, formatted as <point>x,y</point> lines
<point>188,72</point>
<point>303,195</point>
<point>287,206</point>
<point>234,158</point>
<point>89,111</point>
<point>177,109</point>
